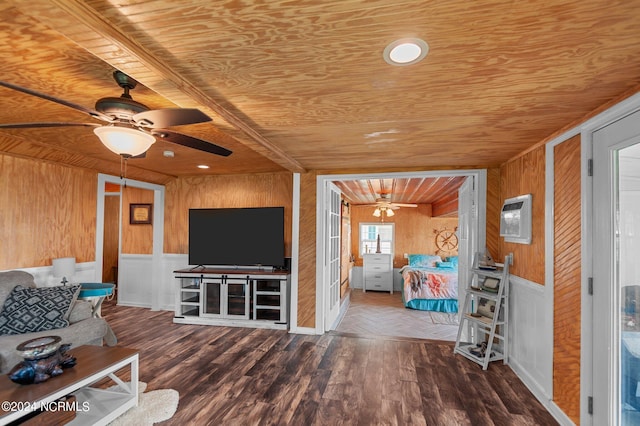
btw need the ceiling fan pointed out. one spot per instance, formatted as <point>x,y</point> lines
<point>384,206</point>
<point>132,127</point>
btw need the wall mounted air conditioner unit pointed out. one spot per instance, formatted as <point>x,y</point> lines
<point>515,220</point>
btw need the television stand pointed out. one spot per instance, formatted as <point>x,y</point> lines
<point>242,297</point>
<point>256,268</point>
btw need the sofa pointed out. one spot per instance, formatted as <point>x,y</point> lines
<point>82,328</point>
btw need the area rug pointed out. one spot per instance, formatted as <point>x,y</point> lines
<point>444,318</point>
<point>153,407</point>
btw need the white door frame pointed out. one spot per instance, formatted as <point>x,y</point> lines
<point>158,230</point>
<point>606,401</point>
<point>585,130</point>
<point>321,285</point>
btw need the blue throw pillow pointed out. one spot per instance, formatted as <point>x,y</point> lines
<point>423,260</point>
<point>453,260</point>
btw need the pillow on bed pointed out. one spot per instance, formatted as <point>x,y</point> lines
<point>453,260</point>
<point>444,264</point>
<point>424,260</point>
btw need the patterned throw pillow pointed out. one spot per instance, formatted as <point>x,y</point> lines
<point>37,309</point>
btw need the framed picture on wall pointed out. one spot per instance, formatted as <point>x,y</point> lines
<point>140,214</point>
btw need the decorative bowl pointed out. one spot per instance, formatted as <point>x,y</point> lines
<point>40,347</point>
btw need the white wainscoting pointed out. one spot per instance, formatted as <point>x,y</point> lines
<point>357,279</point>
<point>43,275</point>
<point>171,262</point>
<point>530,348</point>
<point>134,280</point>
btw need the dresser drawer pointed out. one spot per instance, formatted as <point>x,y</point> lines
<point>377,275</point>
<point>379,283</point>
<point>375,259</point>
<point>377,268</point>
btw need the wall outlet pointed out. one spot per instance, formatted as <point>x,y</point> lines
<point>406,255</point>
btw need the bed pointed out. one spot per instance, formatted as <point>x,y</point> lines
<point>430,283</point>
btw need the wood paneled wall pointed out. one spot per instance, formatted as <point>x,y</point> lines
<point>567,278</point>
<point>525,175</point>
<point>256,190</point>
<point>414,231</point>
<point>111,237</point>
<point>494,206</point>
<point>136,239</point>
<point>46,211</point>
<point>307,252</point>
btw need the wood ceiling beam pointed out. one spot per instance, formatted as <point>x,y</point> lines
<point>86,16</point>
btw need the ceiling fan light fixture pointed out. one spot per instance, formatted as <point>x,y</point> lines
<point>377,213</point>
<point>124,140</point>
<point>389,212</point>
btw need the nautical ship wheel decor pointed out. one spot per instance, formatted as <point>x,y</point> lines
<point>446,240</point>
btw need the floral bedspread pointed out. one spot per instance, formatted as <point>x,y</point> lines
<point>430,283</point>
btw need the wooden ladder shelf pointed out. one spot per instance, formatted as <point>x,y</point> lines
<point>485,313</point>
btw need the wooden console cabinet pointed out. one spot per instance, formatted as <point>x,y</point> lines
<point>233,297</point>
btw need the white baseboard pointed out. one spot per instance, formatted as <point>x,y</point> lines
<point>559,415</point>
<point>540,394</point>
<point>303,330</point>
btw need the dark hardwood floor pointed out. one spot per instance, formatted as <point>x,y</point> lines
<point>243,376</point>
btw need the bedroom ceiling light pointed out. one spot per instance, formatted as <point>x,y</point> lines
<point>124,140</point>
<point>405,51</point>
<point>382,211</point>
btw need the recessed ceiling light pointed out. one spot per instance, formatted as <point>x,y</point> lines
<point>203,166</point>
<point>406,51</point>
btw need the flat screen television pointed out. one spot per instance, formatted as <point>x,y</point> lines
<point>237,237</point>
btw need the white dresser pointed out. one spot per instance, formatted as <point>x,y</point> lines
<point>378,272</point>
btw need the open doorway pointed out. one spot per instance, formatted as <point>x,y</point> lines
<point>111,234</point>
<point>139,276</point>
<point>477,212</point>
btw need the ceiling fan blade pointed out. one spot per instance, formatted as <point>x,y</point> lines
<point>38,125</point>
<point>92,113</point>
<point>159,118</point>
<point>190,141</point>
<point>143,155</point>
<point>404,205</point>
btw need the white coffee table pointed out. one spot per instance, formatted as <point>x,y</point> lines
<point>95,406</point>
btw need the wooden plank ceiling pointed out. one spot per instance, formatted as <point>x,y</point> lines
<point>302,85</point>
<point>440,192</point>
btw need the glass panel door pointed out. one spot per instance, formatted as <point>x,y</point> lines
<point>616,273</point>
<point>212,299</point>
<point>237,298</point>
<point>628,280</point>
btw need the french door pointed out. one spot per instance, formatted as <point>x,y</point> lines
<point>616,273</point>
<point>332,255</point>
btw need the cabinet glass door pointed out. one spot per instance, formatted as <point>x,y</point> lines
<point>212,303</point>
<point>237,299</point>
